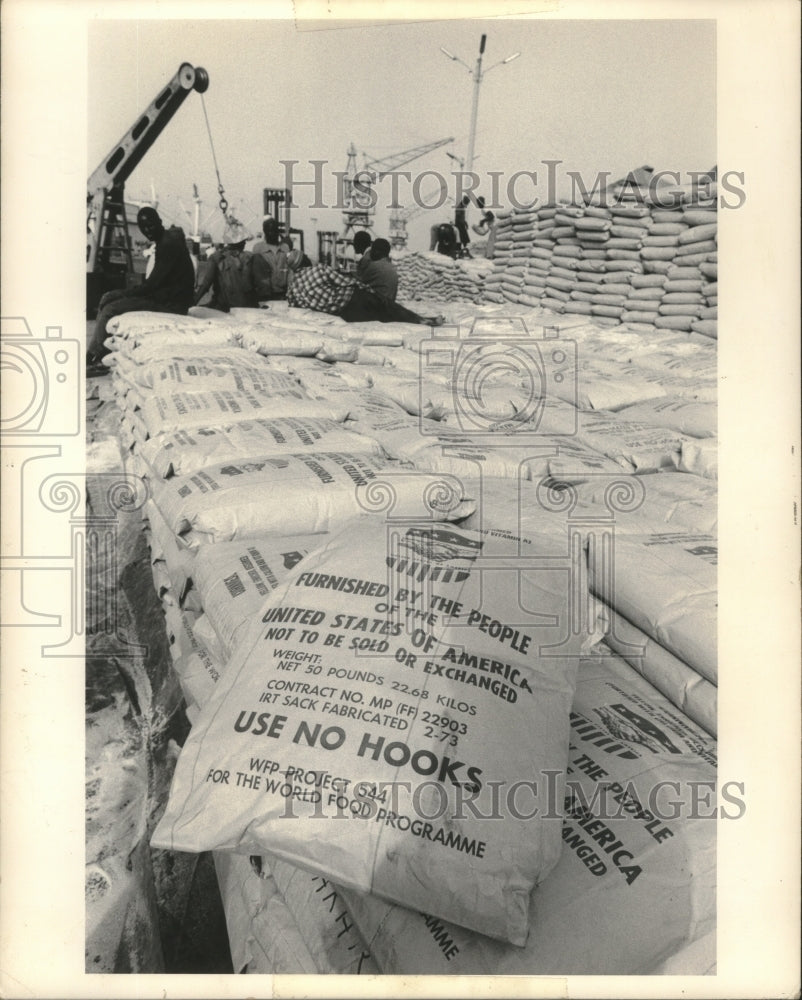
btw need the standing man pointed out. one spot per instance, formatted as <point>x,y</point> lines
<point>462,226</point>
<point>170,286</point>
<point>269,263</point>
<point>230,274</point>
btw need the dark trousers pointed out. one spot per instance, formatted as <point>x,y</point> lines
<point>115,303</point>
<point>364,307</point>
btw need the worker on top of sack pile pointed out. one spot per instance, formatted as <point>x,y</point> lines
<point>270,263</point>
<point>460,221</point>
<point>170,286</point>
<point>229,274</point>
<point>486,226</point>
<point>444,239</point>
<point>323,289</point>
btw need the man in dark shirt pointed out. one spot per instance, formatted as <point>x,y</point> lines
<point>325,290</point>
<point>461,223</point>
<point>379,272</point>
<point>170,286</point>
<point>362,241</point>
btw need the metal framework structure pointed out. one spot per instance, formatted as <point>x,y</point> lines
<point>109,256</point>
<point>399,219</point>
<point>359,204</point>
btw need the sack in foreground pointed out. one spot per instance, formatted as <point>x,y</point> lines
<point>402,685</point>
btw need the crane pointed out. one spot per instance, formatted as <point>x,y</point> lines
<point>359,205</point>
<point>108,253</point>
<point>399,217</point>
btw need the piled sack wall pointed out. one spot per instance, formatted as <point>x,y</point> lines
<point>260,435</point>
<point>646,266</point>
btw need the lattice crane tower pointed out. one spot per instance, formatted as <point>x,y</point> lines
<point>357,184</point>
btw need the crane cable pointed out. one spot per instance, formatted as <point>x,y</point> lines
<point>220,189</point>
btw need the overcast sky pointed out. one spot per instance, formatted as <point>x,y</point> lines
<point>600,95</point>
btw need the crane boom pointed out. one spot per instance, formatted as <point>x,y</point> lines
<point>357,213</point>
<point>118,165</point>
<point>389,163</point>
<point>109,255</point>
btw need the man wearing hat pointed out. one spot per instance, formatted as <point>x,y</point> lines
<point>168,288</point>
<point>229,273</point>
<point>270,262</point>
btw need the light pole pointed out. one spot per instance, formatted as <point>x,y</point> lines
<point>477,76</point>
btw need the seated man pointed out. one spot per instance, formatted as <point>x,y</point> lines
<point>380,273</point>
<point>229,273</point>
<point>361,243</point>
<point>287,246</point>
<point>323,289</point>
<point>170,286</point>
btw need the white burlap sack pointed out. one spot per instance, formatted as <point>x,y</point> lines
<point>692,694</point>
<point>699,457</point>
<point>234,578</point>
<point>283,925</point>
<point>636,446</point>
<point>636,882</point>
<point>276,945</point>
<point>328,930</point>
<point>197,662</point>
<point>166,548</point>
<point>665,584</point>
<point>142,322</point>
<point>604,389</point>
<point>324,703</point>
<point>235,371</point>
<point>271,341</point>
<point>184,410</point>
<point>577,461</point>
<point>659,503</point>
<point>187,451</point>
<point>688,416</point>
<point>139,365</point>
<point>296,494</point>
<point>419,396</point>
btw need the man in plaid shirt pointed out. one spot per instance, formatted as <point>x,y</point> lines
<point>321,288</point>
<point>325,290</point>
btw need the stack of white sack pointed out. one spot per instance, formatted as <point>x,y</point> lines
<point>353,438</point>
<point>651,558</point>
<point>283,921</point>
<point>260,917</point>
<point>434,276</point>
<point>367,711</point>
<point>662,590</point>
<point>299,493</point>
<point>649,264</point>
<point>634,892</point>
